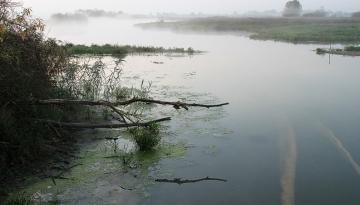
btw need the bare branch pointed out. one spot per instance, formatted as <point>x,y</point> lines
<point>176,105</point>
<point>185,181</point>
<point>105,125</point>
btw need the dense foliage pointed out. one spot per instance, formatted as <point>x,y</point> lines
<point>29,65</point>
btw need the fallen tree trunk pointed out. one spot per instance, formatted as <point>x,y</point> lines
<point>113,106</point>
<point>185,181</point>
<point>96,126</point>
<point>176,105</point>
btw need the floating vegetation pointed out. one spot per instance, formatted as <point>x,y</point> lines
<point>114,157</point>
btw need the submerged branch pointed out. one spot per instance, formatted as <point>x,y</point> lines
<point>185,181</point>
<point>176,105</point>
<point>105,125</point>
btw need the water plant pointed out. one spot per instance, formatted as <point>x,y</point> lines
<point>19,199</point>
<point>146,138</point>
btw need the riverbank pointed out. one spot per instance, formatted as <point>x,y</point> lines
<point>294,30</point>
<point>107,49</point>
<point>347,51</point>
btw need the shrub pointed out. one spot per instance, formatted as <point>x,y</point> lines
<point>146,138</point>
<point>29,65</point>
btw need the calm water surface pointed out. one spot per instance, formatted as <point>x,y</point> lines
<point>289,136</point>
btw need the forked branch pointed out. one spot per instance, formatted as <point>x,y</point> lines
<point>176,105</point>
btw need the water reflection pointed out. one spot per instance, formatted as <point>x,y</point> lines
<point>265,158</point>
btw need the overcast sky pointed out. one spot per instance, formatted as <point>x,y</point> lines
<point>46,7</point>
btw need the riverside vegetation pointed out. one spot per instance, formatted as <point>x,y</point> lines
<point>108,49</point>
<point>46,93</point>
<point>295,30</point>
<point>346,51</point>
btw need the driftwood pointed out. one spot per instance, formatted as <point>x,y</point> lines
<point>96,126</point>
<point>176,105</point>
<point>186,181</point>
<point>113,106</point>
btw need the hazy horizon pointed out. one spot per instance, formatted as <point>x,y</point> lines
<point>45,8</point>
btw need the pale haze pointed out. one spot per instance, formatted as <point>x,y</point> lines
<point>46,7</point>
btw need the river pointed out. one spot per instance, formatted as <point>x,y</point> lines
<point>289,136</point>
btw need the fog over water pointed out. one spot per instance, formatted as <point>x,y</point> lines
<point>45,8</point>
<point>290,135</point>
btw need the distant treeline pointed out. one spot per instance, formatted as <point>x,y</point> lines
<point>107,49</point>
<point>83,15</point>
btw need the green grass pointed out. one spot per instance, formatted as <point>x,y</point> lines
<point>346,51</point>
<point>296,30</point>
<point>108,49</point>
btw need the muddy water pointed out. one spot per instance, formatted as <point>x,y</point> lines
<point>290,135</point>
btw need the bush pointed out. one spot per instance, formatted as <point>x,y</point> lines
<point>146,138</point>
<point>29,66</point>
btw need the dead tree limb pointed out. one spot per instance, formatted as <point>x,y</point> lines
<point>185,181</point>
<point>176,105</point>
<point>105,125</point>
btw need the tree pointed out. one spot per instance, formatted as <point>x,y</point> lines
<point>292,9</point>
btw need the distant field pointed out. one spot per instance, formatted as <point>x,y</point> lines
<point>296,30</point>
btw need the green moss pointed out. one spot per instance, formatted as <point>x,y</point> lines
<point>95,159</point>
<point>164,150</point>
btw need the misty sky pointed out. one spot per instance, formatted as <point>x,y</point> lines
<point>46,7</point>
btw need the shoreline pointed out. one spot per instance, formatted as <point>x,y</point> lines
<point>342,52</point>
<point>290,30</point>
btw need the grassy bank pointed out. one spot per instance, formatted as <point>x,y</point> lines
<point>347,51</point>
<point>108,49</point>
<point>295,30</point>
